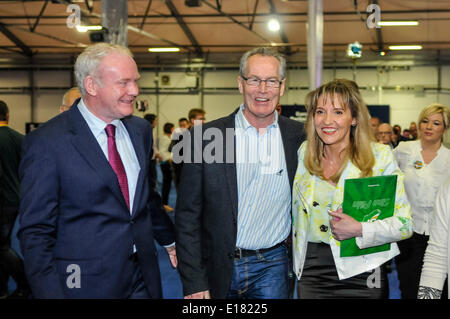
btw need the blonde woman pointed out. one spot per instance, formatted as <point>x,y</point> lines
<point>426,165</point>
<point>339,146</point>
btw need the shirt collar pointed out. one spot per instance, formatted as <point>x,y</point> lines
<point>96,125</point>
<point>241,121</point>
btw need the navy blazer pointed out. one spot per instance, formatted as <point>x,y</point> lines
<point>207,209</point>
<point>72,212</point>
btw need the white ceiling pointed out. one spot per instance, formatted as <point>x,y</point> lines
<point>226,33</point>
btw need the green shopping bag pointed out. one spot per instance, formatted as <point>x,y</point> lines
<point>366,200</point>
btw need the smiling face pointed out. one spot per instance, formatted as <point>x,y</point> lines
<point>113,89</point>
<point>261,101</point>
<point>432,128</point>
<point>332,122</point>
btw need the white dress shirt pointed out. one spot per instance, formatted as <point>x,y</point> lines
<point>422,181</point>
<point>123,143</point>
<point>264,193</point>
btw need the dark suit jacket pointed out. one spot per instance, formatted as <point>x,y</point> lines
<point>206,212</point>
<point>72,212</point>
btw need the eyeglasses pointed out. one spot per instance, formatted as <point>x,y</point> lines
<point>270,83</point>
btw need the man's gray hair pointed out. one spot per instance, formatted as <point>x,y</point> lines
<point>264,51</point>
<point>89,60</point>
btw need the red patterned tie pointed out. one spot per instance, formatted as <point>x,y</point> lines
<point>116,162</point>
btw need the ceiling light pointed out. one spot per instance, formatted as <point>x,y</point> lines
<point>405,47</point>
<point>164,49</point>
<point>397,23</point>
<point>85,28</point>
<point>273,24</point>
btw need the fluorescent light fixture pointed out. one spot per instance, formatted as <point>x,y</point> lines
<point>164,49</point>
<point>85,28</point>
<point>397,23</point>
<point>273,24</point>
<point>405,47</point>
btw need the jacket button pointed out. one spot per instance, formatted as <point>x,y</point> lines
<point>323,228</point>
<point>132,222</point>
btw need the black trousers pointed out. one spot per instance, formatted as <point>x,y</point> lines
<point>139,291</point>
<point>409,265</point>
<point>10,263</point>
<point>166,170</point>
<point>320,279</point>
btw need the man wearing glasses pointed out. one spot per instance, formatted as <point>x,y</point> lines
<point>384,134</point>
<point>233,215</point>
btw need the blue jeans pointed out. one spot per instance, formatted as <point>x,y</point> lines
<point>263,276</point>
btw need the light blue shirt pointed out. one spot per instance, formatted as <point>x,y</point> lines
<point>123,143</point>
<point>264,193</point>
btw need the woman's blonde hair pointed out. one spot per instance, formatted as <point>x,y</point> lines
<point>436,108</point>
<point>361,136</point>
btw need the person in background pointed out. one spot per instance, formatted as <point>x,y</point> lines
<point>436,266</point>
<point>183,123</point>
<point>153,121</point>
<point>233,214</point>
<point>196,117</point>
<point>384,135</point>
<point>166,161</point>
<point>88,216</point>
<point>374,123</point>
<point>10,262</point>
<point>413,130</point>
<point>407,135</point>
<point>425,163</point>
<point>339,146</point>
<point>396,135</point>
<point>69,99</point>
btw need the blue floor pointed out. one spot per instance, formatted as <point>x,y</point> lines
<point>171,283</point>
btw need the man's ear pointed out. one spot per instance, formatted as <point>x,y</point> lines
<point>90,85</point>
<point>240,84</point>
<point>282,87</point>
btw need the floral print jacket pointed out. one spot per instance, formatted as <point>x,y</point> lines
<point>389,230</point>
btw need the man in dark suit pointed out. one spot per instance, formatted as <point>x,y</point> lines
<point>233,208</point>
<point>88,216</point>
<point>10,262</point>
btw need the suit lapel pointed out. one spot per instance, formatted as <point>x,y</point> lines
<point>86,144</point>
<point>290,150</point>
<point>230,168</point>
<point>138,145</point>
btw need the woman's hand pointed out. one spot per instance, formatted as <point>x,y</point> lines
<point>344,226</point>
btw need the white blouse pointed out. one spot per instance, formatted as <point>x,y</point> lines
<point>422,181</point>
<point>436,260</point>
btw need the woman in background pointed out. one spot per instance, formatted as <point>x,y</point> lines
<point>340,146</point>
<point>435,263</point>
<point>426,165</point>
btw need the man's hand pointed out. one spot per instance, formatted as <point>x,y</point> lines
<point>199,295</point>
<point>172,256</point>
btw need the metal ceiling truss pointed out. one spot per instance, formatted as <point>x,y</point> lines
<point>184,27</point>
